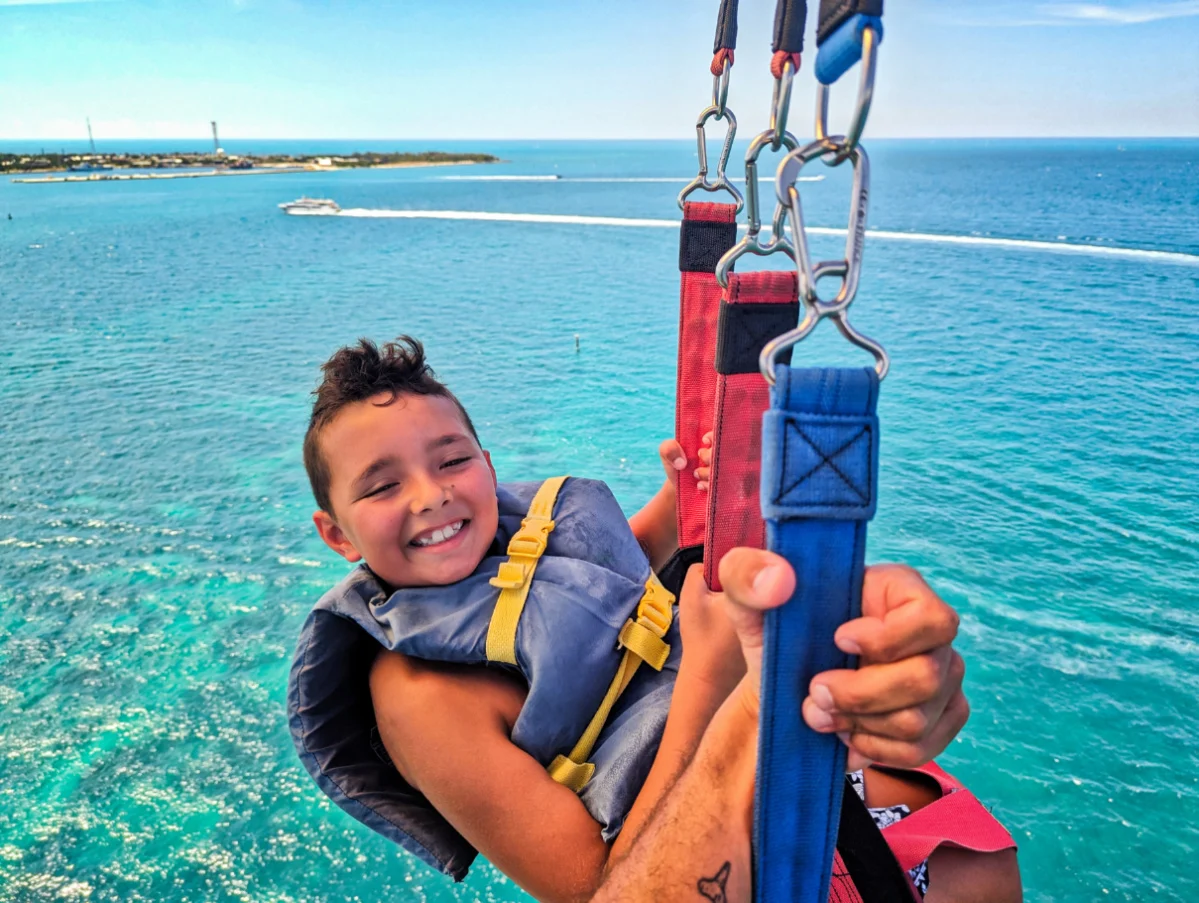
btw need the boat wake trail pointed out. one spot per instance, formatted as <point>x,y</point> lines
<point>605,181</point>
<point>1016,244</point>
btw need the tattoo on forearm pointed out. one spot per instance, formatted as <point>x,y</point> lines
<point>713,888</point>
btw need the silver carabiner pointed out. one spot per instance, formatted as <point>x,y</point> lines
<point>721,181</point>
<point>848,268</point>
<point>752,242</point>
<point>853,135</point>
<point>780,105</point>
<point>788,196</point>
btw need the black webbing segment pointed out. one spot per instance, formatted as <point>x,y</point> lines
<point>744,330</point>
<point>672,574</point>
<point>835,13</point>
<point>726,27</point>
<point>876,875</point>
<point>702,244</point>
<point>789,19</point>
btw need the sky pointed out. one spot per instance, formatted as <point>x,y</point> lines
<point>573,69</point>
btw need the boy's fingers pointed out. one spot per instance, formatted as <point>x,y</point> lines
<point>879,689</point>
<point>702,473</point>
<point>705,455</point>
<point>901,754</point>
<point>707,440</point>
<point>671,453</point>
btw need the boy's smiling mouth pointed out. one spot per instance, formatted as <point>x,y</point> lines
<point>440,535</point>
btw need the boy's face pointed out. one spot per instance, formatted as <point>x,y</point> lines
<point>412,492</point>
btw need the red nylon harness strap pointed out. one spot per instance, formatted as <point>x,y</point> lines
<point>957,819</point>
<point>708,231</point>
<point>742,397</point>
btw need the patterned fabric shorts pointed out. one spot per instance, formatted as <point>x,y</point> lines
<point>889,815</point>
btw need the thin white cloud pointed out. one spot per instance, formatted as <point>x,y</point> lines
<point>44,2</point>
<point>1075,14</point>
<point>1121,15</point>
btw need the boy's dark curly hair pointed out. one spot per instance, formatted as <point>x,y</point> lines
<point>356,373</point>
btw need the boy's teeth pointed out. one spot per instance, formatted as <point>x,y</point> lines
<point>447,532</point>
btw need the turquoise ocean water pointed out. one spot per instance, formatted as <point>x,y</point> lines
<point>158,341</point>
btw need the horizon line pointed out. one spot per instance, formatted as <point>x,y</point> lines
<point>688,140</point>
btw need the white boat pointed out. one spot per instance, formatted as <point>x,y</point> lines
<point>310,206</point>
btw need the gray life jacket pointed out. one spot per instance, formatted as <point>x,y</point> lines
<point>589,584</point>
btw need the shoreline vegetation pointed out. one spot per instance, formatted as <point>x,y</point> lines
<point>91,166</point>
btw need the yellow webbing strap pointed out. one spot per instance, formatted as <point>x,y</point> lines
<point>642,642</point>
<point>515,574</point>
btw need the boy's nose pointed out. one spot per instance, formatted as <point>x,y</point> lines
<point>428,495</point>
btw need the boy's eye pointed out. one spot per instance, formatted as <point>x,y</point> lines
<point>380,489</point>
<point>455,462</point>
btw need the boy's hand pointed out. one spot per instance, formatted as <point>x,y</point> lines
<point>674,461</point>
<point>904,704</point>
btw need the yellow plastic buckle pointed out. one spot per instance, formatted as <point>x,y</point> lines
<point>531,540</point>
<point>511,575</point>
<point>571,774</point>
<point>644,643</point>
<point>654,610</point>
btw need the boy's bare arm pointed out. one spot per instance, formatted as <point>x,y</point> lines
<point>655,528</point>
<point>447,729</point>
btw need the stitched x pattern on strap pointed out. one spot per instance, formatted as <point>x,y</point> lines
<point>808,452</point>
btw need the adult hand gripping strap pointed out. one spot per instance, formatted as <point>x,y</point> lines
<point>819,478</point>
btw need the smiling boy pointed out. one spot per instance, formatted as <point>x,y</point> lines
<point>420,505</point>
<point>474,747</point>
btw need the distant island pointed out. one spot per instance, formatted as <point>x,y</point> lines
<point>94,164</point>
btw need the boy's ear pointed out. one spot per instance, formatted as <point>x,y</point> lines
<point>491,467</point>
<point>334,537</point>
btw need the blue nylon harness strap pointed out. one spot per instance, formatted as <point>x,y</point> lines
<point>819,478</point>
<point>839,35</point>
<point>835,13</point>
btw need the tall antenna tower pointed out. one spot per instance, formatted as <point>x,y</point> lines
<point>90,139</point>
<point>216,142</point>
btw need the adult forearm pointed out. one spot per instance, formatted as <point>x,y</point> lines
<point>698,841</point>
<point>695,701</point>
